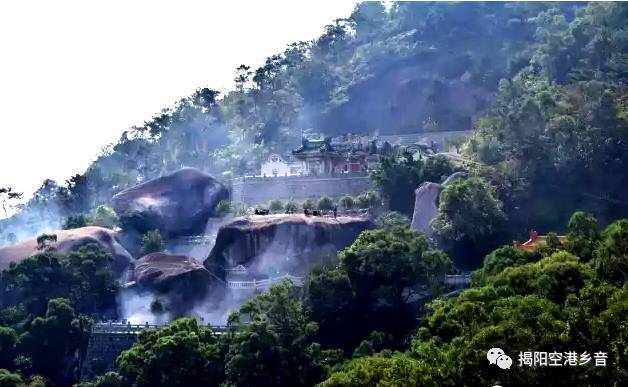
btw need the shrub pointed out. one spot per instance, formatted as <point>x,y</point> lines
<point>325,203</point>
<point>224,207</point>
<point>291,207</point>
<point>105,217</point>
<point>44,241</point>
<point>347,202</point>
<point>275,206</point>
<point>76,221</point>
<point>309,204</point>
<point>152,242</point>
<point>392,219</point>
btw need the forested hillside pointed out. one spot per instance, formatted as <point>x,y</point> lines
<point>411,68</point>
<point>545,87</point>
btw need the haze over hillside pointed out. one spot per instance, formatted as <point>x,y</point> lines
<point>418,186</point>
<point>75,75</point>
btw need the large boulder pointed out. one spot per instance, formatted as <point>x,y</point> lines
<point>271,245</point>
<point>71,240</point>
<point>176,204</point>
<point>182,280</point>
<point>426,203</point>
<point>161,271</point>
<point>425,207</point>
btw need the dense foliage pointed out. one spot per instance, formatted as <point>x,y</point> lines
<point>181,354</point>
<point>398,176</point>
<point>152,242</point>
<point>46,301</point>
<point>413,67</point>
<point>44,345</point>
<point>83,276</point>
<point>470,217</point>
<point>557,133</point>
<point>521,301</point>
<point>548,98</point>
<point>375,287</point>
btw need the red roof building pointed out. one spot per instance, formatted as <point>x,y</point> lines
<point>535,241</point>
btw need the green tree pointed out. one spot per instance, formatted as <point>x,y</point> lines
<point>398,177</point>
<point>77,221</point>
<point>347,202</point>
<point>9,379</point>
<point>273,343</point>
<point>583,235</point>
<point>611,255</point>
<point>325,204</point>
<point>180,354</point>
<point>292,207</point>
<point>468,211</point>
<point>109,379</point>
<point>392,219</point>
<point>398,370</point>
<point>52,341</point>
<point>224,207</point>
<point>156,307</point>
<point>309,204</point>
<point>45,241</point>
<point>500,259</point>
<point>372,284</point>
<point>104,216</point>
<point>8,340</point>
<point>83,276</point>
<point>152,242</point>
<point>276,206</point>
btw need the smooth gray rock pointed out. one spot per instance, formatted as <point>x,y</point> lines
<point>425,207</point>
<point>71,240</point>
<point>271,245</point>
<point>426,203</point>
<point>181,280</point>
<point>176,204</point>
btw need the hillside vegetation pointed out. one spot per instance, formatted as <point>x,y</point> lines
<point>544,84</point>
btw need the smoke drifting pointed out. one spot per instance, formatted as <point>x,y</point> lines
<point>268,250</point>
<point>135,308</point>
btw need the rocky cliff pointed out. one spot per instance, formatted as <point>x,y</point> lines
<point>182,280</point>
<point>71,240</point>
<point>283,243</point>
<point>176,204</point>
<point>426,203</point>
<point>425,207</point>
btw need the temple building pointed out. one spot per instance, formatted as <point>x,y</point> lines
<point>318,157</point>
<point>323,157</point>
<point>275,165</point>
<point>535,241</point>
<point>350,153</point>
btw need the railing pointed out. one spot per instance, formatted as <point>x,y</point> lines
<point>196,240</point>
<point>128,328</point>
<point>299,177</point>
<point>459,280</point>
<point>263,284</point>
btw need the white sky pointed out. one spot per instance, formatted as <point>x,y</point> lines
<point>75,74</point>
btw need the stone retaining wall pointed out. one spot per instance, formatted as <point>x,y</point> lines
<point>257,190</point>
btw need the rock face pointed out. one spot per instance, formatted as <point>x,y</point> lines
<point>402,95</point>
<point>276,244</point>
<point>162,271</point>
<point>175,204</point>
<point>426,203</point>
<point>71,240</point>
<point>182,280</point>
<point>425,207</point>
